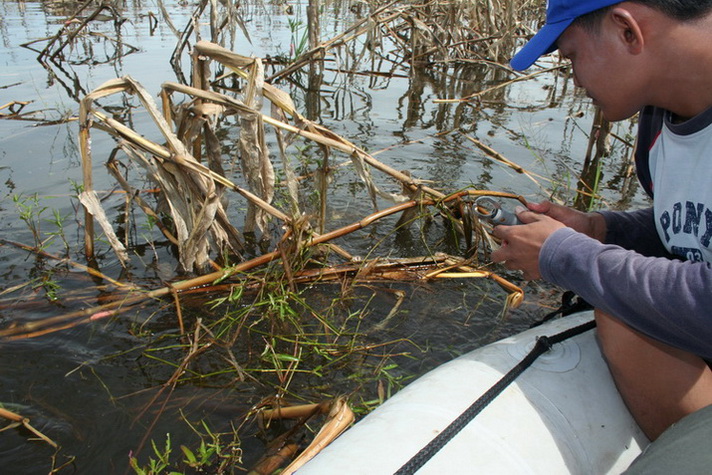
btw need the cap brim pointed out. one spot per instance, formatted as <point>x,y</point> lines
<point>542,43</point>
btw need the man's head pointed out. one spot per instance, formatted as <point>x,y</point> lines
<point>560,14</point>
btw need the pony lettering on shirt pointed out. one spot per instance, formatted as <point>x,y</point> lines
<point>688,219</point>
<point>680,158</point>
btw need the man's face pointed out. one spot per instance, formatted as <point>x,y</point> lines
<point>602,67</point>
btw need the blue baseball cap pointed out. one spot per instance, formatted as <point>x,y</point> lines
<point>559,15</point>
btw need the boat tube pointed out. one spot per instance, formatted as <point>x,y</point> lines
<point>562,414</point>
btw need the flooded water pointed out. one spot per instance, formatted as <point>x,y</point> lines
<point>105,390</point>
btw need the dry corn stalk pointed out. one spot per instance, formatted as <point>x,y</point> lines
<point>339,418</point>
<point>192,190</point>
<point>187,185</point>
<point>303,127</point>
<point>254,155</point>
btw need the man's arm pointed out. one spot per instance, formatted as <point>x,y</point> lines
<point>634,230</point>
<point>667,299</point>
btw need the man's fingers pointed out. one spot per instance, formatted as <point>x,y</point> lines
<point>526,216</point>
<point>500,255</point>
<point>542,208</point>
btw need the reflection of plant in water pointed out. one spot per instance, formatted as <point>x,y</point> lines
<point>75,35</point>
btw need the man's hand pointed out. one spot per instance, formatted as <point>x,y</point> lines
<point>591,224</point>
<point>521,244</point>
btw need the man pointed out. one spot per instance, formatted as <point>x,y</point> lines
<point>647,272</point>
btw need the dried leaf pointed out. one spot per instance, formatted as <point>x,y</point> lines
<point>92,205</point>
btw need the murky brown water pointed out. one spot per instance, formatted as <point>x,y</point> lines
<point>98,389</point>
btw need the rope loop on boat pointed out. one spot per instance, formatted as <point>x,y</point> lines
<point>543,344</point>
<point>570,303</point>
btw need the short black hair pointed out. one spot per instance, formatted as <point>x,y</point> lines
<point>682,10</point>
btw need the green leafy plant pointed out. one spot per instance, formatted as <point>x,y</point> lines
<point>156,466</point>
<point>58,221</point>
<point>50,285</point>
<point>300,36</point>
<point>30,211</point>
<point>216,453</point>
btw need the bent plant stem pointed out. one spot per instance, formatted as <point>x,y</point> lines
<point>113,169</point>
<point>340,416</point>
<point>62,260</point>
<point>516,294</point>
<point>492,153</point>
<point>499,86</point>
<point>194,208</point>
<point>120,130</point>
<point>18,419</point>
<point>195,177</point>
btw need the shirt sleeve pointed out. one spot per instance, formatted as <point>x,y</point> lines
<point>669,300</point>
<point>634,230</point>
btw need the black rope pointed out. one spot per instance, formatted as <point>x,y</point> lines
<point>543,344</point>
<point>568,306</point>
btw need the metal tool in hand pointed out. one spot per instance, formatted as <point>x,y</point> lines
<point>491,210</point>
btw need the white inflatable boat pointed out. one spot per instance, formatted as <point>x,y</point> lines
<point>561,415</point>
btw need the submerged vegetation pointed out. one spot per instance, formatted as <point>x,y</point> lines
<point>222,189</point>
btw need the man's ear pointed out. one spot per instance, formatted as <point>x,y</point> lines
<point>628,29</point>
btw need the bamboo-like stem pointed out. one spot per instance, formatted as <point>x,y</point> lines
<point>179,311</point>
<point>84,150</point>
<point>108,88</point>
<point>294,412</point>
<point>500,86</point>
<point>64,260</point>
<point>492,153</point>
<point>10,415</point>
<point>322,137</point>
<point>516,293</point>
